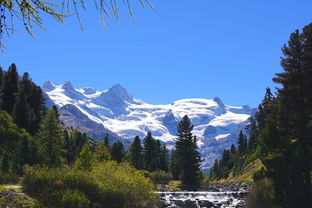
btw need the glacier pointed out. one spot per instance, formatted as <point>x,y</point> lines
<point>118,113</point>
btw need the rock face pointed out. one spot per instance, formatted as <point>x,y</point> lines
<point>118,113</point>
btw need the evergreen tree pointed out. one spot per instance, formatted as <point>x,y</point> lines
<point>7,95</point>
<point>101,152</point>
<point>242,143</point>
<point>50,139</point>
<point>21,110</point>
<point>290,166</point>
<point>164,159</point>
<point>106,140</point>
<point>150,153</point>
<point>135,151</point>
<point>85,160</point>
<point>187,156</point>
<point>69,148</point>
<point>117,151</point>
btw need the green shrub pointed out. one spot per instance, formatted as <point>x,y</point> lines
<point>122,185</point>
<point>8,178</point>
<point>70,198</point>
<point>108,185</point>
<point>160,177</point>
<point>261,194</point>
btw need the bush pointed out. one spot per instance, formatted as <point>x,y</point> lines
<point>8,178</point>
<point>108,185</point>
<point>122,185</point>
<point>261,194</point>
<point>70,198</point>
<point>160,177</point>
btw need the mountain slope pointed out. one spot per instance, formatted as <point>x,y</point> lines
<point>118,113</point>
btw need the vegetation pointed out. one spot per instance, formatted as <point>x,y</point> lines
<point>280,134</point>
<point>108,184</point>
<point>30,13</point>
<point>185,159</point>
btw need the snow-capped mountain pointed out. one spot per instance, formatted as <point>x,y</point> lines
<point>118,113</point>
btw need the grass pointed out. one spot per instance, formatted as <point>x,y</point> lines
<point>246,174</point>
<point>7,187</point>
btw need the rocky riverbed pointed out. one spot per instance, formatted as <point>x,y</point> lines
<point>216,195</point>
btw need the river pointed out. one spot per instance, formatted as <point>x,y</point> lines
<point>201,199</point>
<point>229,195</point>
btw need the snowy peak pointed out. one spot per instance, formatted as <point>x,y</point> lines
<point>48,86</point>
<point>67,86</point>
<point>216,125</point>
<point>118,91</point>
<point>88,90</point>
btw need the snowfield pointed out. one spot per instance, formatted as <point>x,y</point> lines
<point>216,125</point>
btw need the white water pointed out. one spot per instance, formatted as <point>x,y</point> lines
<point>197,199</point>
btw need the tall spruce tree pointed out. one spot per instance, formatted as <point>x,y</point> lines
<point>50,139</point>
<point>150,160</point>
<point>21,110</point>
<point>242,142</point>
<point>117,151</point>
<point>294,123</point>
<point>106,140</point>
<point>186,154</point>
<point>135,151</point>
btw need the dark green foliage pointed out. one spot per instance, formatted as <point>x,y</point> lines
<point>50,139</point>
<point>150,153</point>
<point>8,178</point>
<point>261,195</point>
<point>186,157</point>
<point>106,140</point>
<point>135,151</point>
<point>242,143</point>
<point>117,151</point>
<point>9,89</point>
<point>288,155</point>
<point>22,99</point>
<point>69,148</point>
<point>164,159</point>
<point>20,110</point>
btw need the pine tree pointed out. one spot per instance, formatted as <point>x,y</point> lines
<point>117,151</point>
<point>187,157</point>
<point>106,140</point>
<point>21,110</point>
<point>150,160</point>
<point>294,122</point>
<point>135,151</point>
<point>50,139</point>
<point>164,159</point>
<point>242,142</point>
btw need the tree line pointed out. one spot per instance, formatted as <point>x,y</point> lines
<point>31,134</point>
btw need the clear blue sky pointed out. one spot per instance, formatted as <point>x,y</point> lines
<point>184,49</point>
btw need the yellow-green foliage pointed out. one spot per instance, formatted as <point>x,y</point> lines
<point>123,185</point>
<point>247,172</point>
<point>160,177</point>
<point>175,185</point>
<point>108,185</point>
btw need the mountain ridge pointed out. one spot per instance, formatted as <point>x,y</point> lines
<point>117,112</point>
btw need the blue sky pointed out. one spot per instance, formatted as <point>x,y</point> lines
<point>183,49</point>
